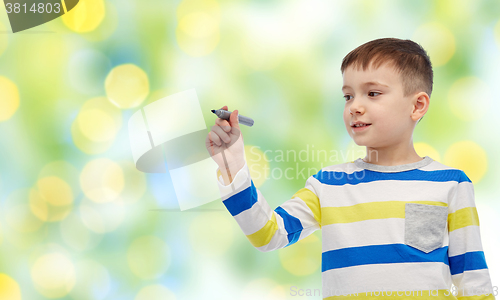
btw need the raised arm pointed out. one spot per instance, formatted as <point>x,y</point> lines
<point>468,268</point>
<point>267,229</point>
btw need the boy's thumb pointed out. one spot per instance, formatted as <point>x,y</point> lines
<point>234,119</point>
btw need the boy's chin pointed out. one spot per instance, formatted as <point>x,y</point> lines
<point>359,143</point>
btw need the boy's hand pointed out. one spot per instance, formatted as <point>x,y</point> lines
<point>226,136</point>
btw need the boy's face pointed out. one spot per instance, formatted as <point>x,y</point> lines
<point>375,96</point>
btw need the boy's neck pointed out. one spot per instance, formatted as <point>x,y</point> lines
<point>391,156</point>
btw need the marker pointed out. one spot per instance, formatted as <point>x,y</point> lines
<point>224,114</point>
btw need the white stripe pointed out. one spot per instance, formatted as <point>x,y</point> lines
<point>264,204</point>
<point>462,197</point>
<point>385,190</point>
<point>307,231</point>
<point>388,277</point>
<point>363,233</point>
<point>465,239</point>
<point>475,279</point>
<point>366,233</point>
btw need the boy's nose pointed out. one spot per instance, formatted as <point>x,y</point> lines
<point>356,107</point>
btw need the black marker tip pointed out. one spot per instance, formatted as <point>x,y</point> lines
<point>213,110</point>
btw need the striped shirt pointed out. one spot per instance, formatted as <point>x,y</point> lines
<point>402,232</point>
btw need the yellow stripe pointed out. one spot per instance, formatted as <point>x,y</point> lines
<point>312,201</point>
<point>368,211</point>
<point>462,218</point>
<point>64,6</point>
<point>263,236</point>
<point>388,295</point>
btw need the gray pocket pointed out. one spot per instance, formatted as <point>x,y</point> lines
<point>425,226</point>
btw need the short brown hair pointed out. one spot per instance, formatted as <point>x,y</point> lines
<point>408,57</point>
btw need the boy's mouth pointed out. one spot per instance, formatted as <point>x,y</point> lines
<point>360,124</point>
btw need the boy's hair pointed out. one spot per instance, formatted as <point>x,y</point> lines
<point>406,56</point>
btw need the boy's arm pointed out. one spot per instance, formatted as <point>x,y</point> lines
<point>468,268</point>
<point>265,228</point>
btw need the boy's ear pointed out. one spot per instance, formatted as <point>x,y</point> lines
<point>420,106</point>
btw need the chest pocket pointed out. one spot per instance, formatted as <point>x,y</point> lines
<point>425,226</point>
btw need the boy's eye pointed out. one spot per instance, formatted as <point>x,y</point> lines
<point>371,94</point>
<point>346,97</point>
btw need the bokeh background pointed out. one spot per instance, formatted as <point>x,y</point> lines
<point>78,221</point>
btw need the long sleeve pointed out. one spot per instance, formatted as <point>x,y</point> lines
<point>269,229</point>
<point>467,262</point>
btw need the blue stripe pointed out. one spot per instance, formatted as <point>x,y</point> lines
<point>292,225</point>
<point>467,262</point>
<point>342,178</point>
<point>241,201</point>
<point>380,254</point>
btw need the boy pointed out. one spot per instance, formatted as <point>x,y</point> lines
<point>395,225</point>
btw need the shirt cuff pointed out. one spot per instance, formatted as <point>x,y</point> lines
<point>241,178</point>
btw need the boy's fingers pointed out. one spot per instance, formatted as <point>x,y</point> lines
<point>221,134</point>
<point>224,124</point>
<point>214,138</point>
<point>210,145</point>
